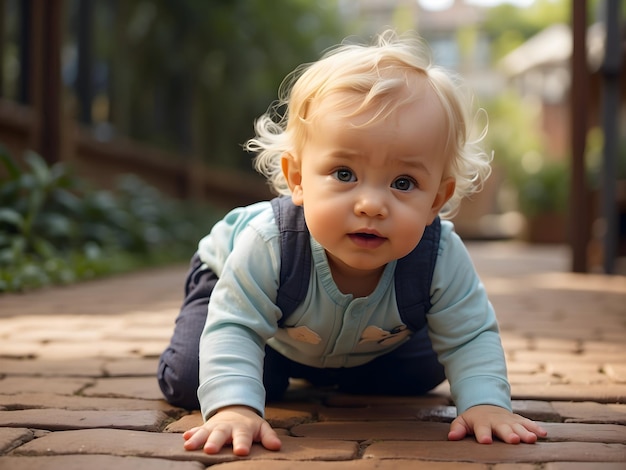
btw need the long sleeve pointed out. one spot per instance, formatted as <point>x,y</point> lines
<point>241,317</point>
<point>464,330</point>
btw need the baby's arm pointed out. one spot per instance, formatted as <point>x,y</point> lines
<point>238,425</point>
<point>242,315</point>
<point>464,332</point>
<point>484,421</point>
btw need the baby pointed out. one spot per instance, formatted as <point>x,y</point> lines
<point>350,278</point>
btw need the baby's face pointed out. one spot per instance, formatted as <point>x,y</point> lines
<point>369,189</point>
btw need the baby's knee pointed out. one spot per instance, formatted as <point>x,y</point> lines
<point>178,385</point>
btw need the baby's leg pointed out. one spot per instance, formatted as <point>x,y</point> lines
<point>178,365</point>
<point>276,373</point>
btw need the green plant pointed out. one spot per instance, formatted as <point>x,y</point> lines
<point>545,190</point>
<point>55,229</point>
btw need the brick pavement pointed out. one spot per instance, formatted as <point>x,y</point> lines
<point>77,386</point>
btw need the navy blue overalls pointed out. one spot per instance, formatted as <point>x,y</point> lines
<point>411,369</point>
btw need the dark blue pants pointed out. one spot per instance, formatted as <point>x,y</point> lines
<point>411,369</point>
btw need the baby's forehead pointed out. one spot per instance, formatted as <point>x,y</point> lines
<point>382,102</point>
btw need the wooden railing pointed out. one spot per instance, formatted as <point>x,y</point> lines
<point>102,162</point>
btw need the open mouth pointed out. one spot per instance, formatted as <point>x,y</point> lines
<point>366,240</point>
<point>368,236</point>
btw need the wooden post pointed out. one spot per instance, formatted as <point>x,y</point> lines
<point>45,77</point>
<point>579,195</point>
<point>611,68</point>
<point>84,78</point>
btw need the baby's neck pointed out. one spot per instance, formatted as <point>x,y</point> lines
<point>358,284</point>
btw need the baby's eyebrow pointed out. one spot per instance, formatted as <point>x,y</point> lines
<point>414,163</point>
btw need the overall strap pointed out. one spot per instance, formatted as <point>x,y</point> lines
<point>295,249</point>
<point>414,276</point>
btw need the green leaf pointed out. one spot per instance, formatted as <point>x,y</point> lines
<point>12,217</point>
<point>39,166</point>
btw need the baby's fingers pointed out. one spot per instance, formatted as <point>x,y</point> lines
<point>242,442</point>
<point>458,429</point>
<point>195,438</point>
<point>269,438</point>
<point>519,432</point>
<point>216,439</point>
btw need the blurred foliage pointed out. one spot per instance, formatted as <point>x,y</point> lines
<point>513,129</point>
<point>545,190</point>
<point>56,230</point>
<point>192,75</point>
<point>509,26</point>
<point>539,181</point>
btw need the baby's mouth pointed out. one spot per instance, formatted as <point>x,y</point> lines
<point>366,239</point>
<point>367,236</point>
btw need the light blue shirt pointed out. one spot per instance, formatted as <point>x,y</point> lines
<point>330,328</point>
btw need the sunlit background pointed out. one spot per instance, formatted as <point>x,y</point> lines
<point>167,91</point>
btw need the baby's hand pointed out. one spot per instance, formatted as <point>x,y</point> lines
<point>238,425</point>
<point>482,420</point>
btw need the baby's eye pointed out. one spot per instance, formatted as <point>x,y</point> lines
<point>345,175</point>
<point>403,184</point>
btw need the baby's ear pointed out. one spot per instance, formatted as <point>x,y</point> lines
<point>293,175</point>
<point>445,192</point>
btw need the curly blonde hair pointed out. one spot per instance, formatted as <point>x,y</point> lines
<point>374,72</point>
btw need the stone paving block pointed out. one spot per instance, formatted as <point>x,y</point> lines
<point>94,462</point>
<point>134,291</point>
<point>45,335</point>
<point>614,335</point>
<point>515,466</point>
<point>131,367</point>
<point>600,357</point>
<point>152,349</point>
<point>539,378</point>
<point>22,401</point>
<point>577,432</point>
<point>52,385</point>
<point>141,333</point>
<point>115,442</point>
<point>604,347</point>
<point>51,368</point>
<point>285,417</point>
<point>498,452</point>
<point>511,340</point>
<point>559,357</point>
<point>566,345</point>
<point>100,349</point>
<point>591,412</point>
<point>616,372</point>
<point>602,393</point>
<point>126,387</point>
<point>19,350</point>
<point>583,466</point>
<point>170,446</point>
<point>184,423</point>
<point>588,373</point>
<point>13,437</point>
<point>523,368</point>
<point>535,410</point>
<point>442,414</point>
<point>377,430</point>
<point>361,464</point>
<point>52,419</point>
